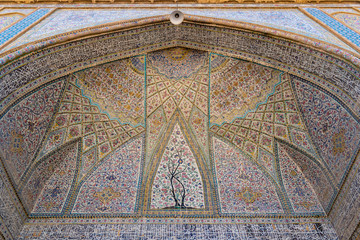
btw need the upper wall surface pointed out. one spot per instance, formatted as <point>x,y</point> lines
<point>324,24</point>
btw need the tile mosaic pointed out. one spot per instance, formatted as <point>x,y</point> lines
<point>250,147</point>
<point>69,20</point>
<point>21,25</point>
<point>63,20</point>
<point>343,30</point>
<point>181,231</point>
<point>25,11</point>
<point>7,20</point>
<point>286,19</point>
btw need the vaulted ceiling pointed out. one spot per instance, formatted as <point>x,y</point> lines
<point>179,123</point>
<point>179,128</point>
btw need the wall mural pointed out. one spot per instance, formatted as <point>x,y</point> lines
<point>178,131</point>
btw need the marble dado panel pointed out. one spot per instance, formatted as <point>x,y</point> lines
<point>57,61</point>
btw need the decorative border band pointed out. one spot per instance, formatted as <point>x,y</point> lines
<point>69,36</point>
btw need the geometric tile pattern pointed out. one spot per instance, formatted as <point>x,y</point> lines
<point>321,149</point>
<point>117,88</point>
<point>179,92</point>
<point>237,86</point>
<point>78,118</point>
<point>176,94</point>
<point>281,149</point>
<point>6,20</point>
<point>22,24</point>
<point>186,92</point>
<point>269,50</point>
<point>343,30</point>
<point>177,105</point>
<point>349,19</point>
<point>276,117</point>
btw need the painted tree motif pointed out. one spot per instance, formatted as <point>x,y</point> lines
<point>177,183</point>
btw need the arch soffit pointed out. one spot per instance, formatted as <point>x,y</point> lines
<point>296,57</point>
<point>296,54</point>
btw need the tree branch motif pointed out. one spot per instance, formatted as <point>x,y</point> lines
<point>173,174</point>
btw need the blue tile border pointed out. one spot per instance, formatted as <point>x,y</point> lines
<point>12,31</point>
<point>343,30</point>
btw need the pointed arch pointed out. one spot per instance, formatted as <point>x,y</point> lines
<point>204,172</point>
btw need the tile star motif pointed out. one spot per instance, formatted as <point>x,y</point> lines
<point>107,195</point>
<point>248,195</point>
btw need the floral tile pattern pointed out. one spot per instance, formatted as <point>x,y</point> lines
<point>179,132</point>
<point>117,88</point>
<point>48,184</point>
<point>352,20</point>
<point>23,127</point>
<point>325,116</point>
<point>242,186</point>
<point>54,193</point>
<point>112,186</point>
<point>177,181</point>
<point>302,197</point>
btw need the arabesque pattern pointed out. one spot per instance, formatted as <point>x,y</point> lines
<point>333,128</point>
<point>237,87</point>
<point>242,186</point>
<point>117,88</point>
<point>179,132</point>
<point>23,126</point>
<point>112,186</point>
